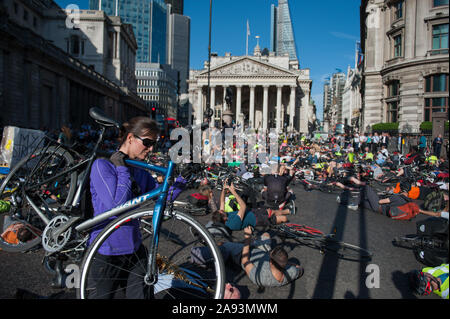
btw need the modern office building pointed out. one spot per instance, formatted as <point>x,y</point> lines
<point>178,46</point>
<point>177,6</point>
<point>332,104</point>
<point>149,21</point>
<point>282,40</point>
<point>157,86</point>
<point>406,62</point>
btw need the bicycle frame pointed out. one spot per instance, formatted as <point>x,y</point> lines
<point>88,162</point>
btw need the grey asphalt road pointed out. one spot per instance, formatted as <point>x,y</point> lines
<point>325,276</point>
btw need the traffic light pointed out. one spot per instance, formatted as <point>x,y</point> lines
<point>153,112</point>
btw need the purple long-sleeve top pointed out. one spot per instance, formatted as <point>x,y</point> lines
<point>110,187</point>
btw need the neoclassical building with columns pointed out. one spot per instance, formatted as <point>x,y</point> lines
<point>265,92</point>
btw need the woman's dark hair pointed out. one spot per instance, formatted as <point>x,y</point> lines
<point>279,257</point>
<point>139,125</point>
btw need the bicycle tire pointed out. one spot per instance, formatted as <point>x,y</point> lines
<point>344,250</point>
<point>14,180</point>
<point>315,239</point>
<point>176,230</point>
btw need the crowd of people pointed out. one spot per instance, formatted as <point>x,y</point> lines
<point>379,177</point>
<point>366,168</point>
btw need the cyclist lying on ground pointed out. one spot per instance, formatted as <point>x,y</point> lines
<point>265,266</point>
<point>238,220</point>
<point>430,280</point>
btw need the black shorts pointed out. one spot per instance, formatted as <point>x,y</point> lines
<point>262,217</point>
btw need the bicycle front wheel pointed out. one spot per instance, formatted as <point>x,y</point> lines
<point>180,275</point>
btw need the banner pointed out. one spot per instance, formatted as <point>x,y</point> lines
<point>17,143</point>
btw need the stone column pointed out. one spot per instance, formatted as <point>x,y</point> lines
<point>252,107</point>
<point>223,99</point>
<point>238,104</point>
<point>212,105</point>
<point>199,111</point>
<point>292,108</point>
<point>265,107</point>
<point>278,108</point>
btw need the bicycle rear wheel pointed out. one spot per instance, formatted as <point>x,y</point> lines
<point>179,275</point>
<point>28,173</point>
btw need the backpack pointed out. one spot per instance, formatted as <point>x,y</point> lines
<point>432,228</point>
<point>198,200</point>
<point>404,212</point>
<point>434,201</point>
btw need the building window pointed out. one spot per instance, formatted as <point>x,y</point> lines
<point>398,10</point>
<point>25,15</point>
<point>433,105</point>
<point>392,112</point>
<point>393,101</point>
<point>440,39</point>
<point>438,3</point>
<point>436,83</point>
<point>398,46</point>
<point>76,45</point>
<point>16,8</point>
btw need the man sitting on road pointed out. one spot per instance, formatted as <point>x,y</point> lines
<point>276,185</point>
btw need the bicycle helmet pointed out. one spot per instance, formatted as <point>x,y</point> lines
<point>421,284</point>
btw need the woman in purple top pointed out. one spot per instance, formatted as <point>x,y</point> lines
<point>112,184</point>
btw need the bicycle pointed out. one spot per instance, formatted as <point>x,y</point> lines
<point>164,231</point>
<point>325,243</point>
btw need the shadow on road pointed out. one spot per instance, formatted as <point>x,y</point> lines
<point>326,281</point>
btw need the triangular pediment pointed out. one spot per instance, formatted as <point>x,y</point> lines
<point>248,67</point>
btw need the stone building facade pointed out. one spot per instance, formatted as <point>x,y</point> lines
<point>42,85</point>
<point>104,43</point>
<point>265,91</point>
<point>406,61</point>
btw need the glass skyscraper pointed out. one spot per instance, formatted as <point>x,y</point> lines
<point>281,33</point>
<point>149,21</point>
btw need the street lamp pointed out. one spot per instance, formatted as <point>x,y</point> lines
<point>209,113</point>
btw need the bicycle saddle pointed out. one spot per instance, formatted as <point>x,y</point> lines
<point>100,117</point>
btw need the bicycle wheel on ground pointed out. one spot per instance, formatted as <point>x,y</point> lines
<point>344,250</point>
<point>179,275</point>
<point>25,179</point>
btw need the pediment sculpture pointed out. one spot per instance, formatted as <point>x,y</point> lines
<point>247,67</point>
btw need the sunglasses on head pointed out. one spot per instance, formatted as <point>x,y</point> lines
<point>146,141</point>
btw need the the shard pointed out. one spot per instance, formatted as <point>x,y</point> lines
<point>282,38</point>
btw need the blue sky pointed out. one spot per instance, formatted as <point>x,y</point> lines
<point>325,32</point>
